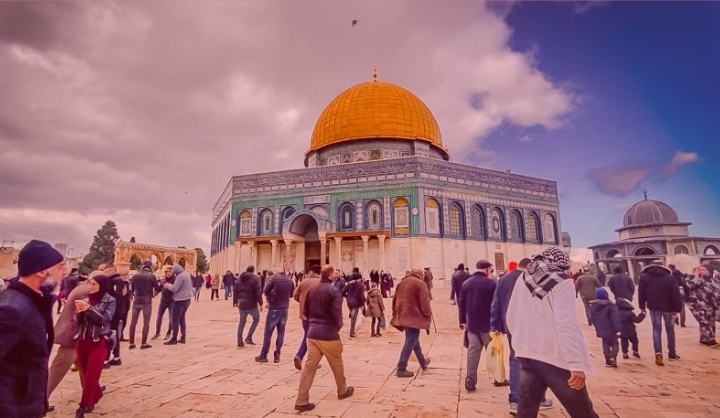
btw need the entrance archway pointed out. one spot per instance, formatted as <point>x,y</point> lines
<point>304,230</point>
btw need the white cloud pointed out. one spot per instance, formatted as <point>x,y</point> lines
<point>142,102</point>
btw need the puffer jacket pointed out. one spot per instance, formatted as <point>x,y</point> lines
<point>375,304</point>
<point>94,323</point>
<point>247,294</point>
<point>355,294</point>
<point>628,319</point>
<point>605,318</point>
<point>659,290</point>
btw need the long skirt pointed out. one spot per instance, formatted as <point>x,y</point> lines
<point>91,359</point>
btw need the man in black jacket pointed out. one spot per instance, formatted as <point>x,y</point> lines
<point>278,291</point>
<point>659,292</point>
<point>680,277</point>
<point>247,296</point>
<point>166,304</point>
<point>354,292</point>
<point>323,308</point>
<point>144,286</point>
<point>26,331</point>
<point>456,282</point>
<point>622,286</point>
<point>228,282</point>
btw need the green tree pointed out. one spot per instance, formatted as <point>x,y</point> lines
<point>102,249</point>
<point>202,264</point>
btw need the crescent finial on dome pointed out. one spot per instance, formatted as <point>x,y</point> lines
<point>375,72</point>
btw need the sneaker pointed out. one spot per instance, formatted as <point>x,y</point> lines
<point>131,346</point>
<point>625,356</point>
<point>241,344</point>
<point>116,362</point>
<point>405,373</point>
<point>106,365</point>
<point>298,362</point>
<point>248,341</point>
<point>181,341</point>
<point>145,346</point>
<point>305,408</point>
<point>427,364</point>
<point>659,359</point>
<point>155,337</point>
<point>673,357</point>
<point>263,359</point>
<point>613,364</point>
<point>170,342</point>
<point>469,385</point>
<point>636,354</point>
<point>348,393</point>
<point>501,384</point>
<point>513,408</point>
<point>276,357</point>
<point>545,404</point>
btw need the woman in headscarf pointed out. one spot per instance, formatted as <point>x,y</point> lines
<point>703,299</point>
<point>93,316</point>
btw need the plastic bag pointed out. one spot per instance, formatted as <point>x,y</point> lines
<point>496,359</point>
<point>359,322</point>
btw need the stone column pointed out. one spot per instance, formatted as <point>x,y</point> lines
<point>365,239</point>
<point>381,240</point>
<point>252,261</point>
<point>338,247</point>
<point>273,256</point>
<point>287,266</point>
<point>323,250</point>
<point>238,256</point>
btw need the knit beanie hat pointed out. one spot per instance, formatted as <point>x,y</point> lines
<point>602,293</point>
<point>37,256</point>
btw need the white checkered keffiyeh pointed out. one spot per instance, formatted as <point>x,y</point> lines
<point>545,271</point>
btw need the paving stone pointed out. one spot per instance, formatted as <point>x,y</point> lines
<point>210,377</point>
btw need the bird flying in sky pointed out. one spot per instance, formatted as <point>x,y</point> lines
<point>355,22</point>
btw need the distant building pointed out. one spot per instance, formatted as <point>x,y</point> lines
<point>63,248</point>
<point>652,232</point>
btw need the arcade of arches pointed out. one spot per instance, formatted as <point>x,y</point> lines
<point>129,256</point>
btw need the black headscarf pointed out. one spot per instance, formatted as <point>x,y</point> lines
<point>103,282</point>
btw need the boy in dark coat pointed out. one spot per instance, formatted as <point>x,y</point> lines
<point>606,319</point>
<point>628,319</point>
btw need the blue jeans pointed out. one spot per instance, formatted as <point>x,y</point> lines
<point>276,318</point>
<point>164,305</point>
<point>412,343</point>
<point>228,291</point>
<point>196,293</point>
<point>657,318</point>
<point>255,315</point>
<point>179,310</point>
<point>303,345</point>
<point>514,376</point>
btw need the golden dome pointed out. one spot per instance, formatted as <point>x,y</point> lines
<point>375,109</point>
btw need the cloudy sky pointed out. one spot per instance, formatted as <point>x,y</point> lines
<point>140,112</point>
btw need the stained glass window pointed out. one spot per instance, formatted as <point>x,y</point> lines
<point>477,222</point>
<point>346,212</point>
<point>455,221</point>
<point>245,222</point>
<point>497,226</point>
<point>267,222</point>
<point>374,217</point>
<point>549,228</point>
<point>515,225</point>
<point>432,216</point>
<point>402,215</point>
<point>532,232</point>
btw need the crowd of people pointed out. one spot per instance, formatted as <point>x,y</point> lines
<point>532,304</point>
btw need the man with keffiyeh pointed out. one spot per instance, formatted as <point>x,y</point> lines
<point>547,339</point>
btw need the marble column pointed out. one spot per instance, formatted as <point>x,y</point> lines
<point>381,241</point>
<point>338,247</point>
<point>323,250</point>
<point>273,254</point>
<point>238,256</point>
<point>366,263</point>
<point>252,258</point>
<point>288,266</point>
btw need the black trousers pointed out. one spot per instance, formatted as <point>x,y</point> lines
<point>625,342</point>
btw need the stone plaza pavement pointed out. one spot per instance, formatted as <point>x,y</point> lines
<point>211,377</point>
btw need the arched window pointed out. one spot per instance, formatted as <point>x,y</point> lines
<point>681,249</point>
<point>497,224</point>
<point>432,216</point>
<point>245,223</point>
<point>456,220</point>
<point>550,229</point>
<point>612,254</point>
<point>401,216</point>
<point>597,255</point>
<point>477,222</point>
<point>644,251</point>
<point>711,250</point>
<point>288,212</point>
<point>374,215</point>
<point>516,231</point>
<point>347,217</point>
<point>533,228</point>
<point>266,222</point>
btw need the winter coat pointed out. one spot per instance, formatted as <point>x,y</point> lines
<point>355,294</point>
<point>182,287</point>
<point>26,338</point>
<point>278,291</point>
<point>302,290</point>
<point>628,319</point>
<point>411,304</point>
<point>94,323</point>
<point>659,290</point>
<point>247,294</point>
<point>476,296</point>
<point>605,318</point>
<point>144,286</point>
<point>375,304</point>
<point>323,309</point>
<point>340,285</point>
<point>198,281</point>
<point>456,282</point>
<point>587,285</point>
<point>215,283</point>
<point>228,280</point>
<point>622,286</point>
<point>66,327</point>
<point>122,302</point>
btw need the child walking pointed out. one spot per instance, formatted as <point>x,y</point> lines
<point>606,319</point>
<point>628,319</point>
<point>375,308</point>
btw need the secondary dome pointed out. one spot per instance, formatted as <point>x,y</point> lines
<point>650,212</point>
<point>375,110</point>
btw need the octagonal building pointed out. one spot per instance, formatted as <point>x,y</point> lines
<point>379,192</point>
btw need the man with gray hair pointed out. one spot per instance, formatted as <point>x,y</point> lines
<point>278,291</point>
